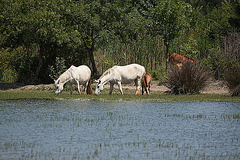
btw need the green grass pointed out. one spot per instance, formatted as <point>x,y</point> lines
<point>18,95</point>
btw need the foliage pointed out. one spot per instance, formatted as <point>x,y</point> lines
<point>16,65</point>
<point>168,19</point>
<point>232,77</point>
<point>234,9</point>
<point>147,51</point>
<point>190,48</point>
<point>232,63</point>
<point>58,69</point>
<point>105,33</point>
<point>189,79</point>
<point>5,61</point>
<point>9,75</point>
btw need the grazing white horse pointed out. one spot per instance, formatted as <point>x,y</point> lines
<point>119,75</point>
<point>79,75</point>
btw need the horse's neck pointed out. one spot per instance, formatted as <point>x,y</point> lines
<point>65,77</point>
<point>106,79</point>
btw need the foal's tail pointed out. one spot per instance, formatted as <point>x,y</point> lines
<point>143,83</point>
<point>89,87</point>
<point>148,84</point>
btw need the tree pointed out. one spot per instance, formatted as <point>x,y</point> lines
<point>99,22</point>
<point>33,23</point>
<point>234,17</point>
<point>169,18</point>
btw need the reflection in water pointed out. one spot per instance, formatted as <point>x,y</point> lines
<point>74,129</point>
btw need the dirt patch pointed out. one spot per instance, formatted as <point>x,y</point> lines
<point>212,87</point>
<point>215,87</point>
<point>17,86</point>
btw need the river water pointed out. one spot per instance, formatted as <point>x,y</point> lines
<point>76,129</point>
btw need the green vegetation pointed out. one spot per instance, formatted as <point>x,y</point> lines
<point>232,77</point>
<point>38,39</point>
<point>154,97</point>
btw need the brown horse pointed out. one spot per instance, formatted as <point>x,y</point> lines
<point>178,60</point>
<point>146,83</point>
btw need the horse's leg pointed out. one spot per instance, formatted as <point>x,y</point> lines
<point>149,86</point>
<point>137,84</point>
<point>70,85</point>
<point>78,87</point>
<point>85,87</point>
<point>147,91</point>
<point>120,87</point>
<point>111,88</point>
<point>142,89</point>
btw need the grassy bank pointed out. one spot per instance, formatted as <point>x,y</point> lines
<point>19,95</point>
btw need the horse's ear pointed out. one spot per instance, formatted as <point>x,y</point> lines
<point>56,81</point>
<point>98,81</point>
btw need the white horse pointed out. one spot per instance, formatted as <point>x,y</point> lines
<point>119,75</point>
<point>79,75</point>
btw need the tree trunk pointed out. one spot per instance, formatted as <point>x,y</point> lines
<point>91,56</point>
<point>40,63</point>
<point>95,72</point>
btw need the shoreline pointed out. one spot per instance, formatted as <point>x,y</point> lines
<point>215,91</point>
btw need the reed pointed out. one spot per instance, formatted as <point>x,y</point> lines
<point>232,77</point>
<point>147,51</point>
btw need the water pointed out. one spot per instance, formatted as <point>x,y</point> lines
<point>74,129</point>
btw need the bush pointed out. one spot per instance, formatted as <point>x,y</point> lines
<point>190,79</point>
<point>232,77</point>
<point>9,76</point>
<point>59,68</point>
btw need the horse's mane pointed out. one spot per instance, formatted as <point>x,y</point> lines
<point>67,72</point>
<point>105,73</point>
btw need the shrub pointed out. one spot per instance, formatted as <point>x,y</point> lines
<point>232,77</point>
<point>190,79</point>
<point>8,75</point>
<point>59,68</point>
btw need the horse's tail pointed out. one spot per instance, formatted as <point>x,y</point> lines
<point>89,87</point>
<point>143,82</point>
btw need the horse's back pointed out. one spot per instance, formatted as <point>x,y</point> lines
<point>146,78</point>
<point>130,72</point>
<point>82,73</point>
<point>84,68</point>
<point>176,58</point>
<point>132,68</point>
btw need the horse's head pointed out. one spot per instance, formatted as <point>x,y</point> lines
<point>58,86</point>
<point>99,87</point>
